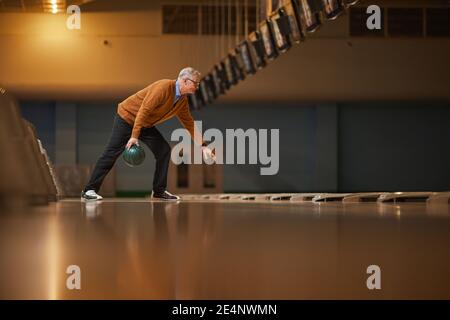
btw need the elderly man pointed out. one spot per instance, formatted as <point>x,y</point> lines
<point>136,119</point>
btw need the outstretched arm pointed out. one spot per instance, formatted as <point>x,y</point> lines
<point>184,115</point>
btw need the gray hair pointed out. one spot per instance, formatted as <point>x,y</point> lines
<point>188,73</point>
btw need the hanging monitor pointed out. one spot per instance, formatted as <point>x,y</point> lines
<point>270,49</point>
<point>281,30</point>
<point>257,49</point>
<point>211,87</point>
<point>232,78</point>
<point>310,15</point>
<point>196,100</point>
<point>292,11</point>
<point>204,91</point>
<point>193,102</point>
<point>224,80</point>
<point>243,51</point>
<point>333,8</point>
<point>217,81</point>
<point>199,99</point>
<point>240,61</point>
<point>316,5</point>
<point>349,3</point>
<point>238,71</point>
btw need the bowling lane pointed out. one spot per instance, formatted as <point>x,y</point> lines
<point>140,249</point>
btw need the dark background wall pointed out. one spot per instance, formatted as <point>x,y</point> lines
<point>42,115</point>
<point>323,147</point>
<point>394,146</point>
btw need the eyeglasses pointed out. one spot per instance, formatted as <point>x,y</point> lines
<point>197,83</point>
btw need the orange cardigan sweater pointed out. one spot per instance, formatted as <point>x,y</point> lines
<point>153,105</point>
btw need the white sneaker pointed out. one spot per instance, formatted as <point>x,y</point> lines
<point>90,195</point>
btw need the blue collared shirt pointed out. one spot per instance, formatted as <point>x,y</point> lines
<point>177,92</point>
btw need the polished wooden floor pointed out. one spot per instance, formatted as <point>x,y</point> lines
<point>138,249</point>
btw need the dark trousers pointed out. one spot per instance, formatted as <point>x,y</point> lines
<point>120,135</point>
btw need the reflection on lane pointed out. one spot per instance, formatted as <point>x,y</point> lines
<point>208,250</point>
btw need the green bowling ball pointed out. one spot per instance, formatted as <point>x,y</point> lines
<point>134,156</point>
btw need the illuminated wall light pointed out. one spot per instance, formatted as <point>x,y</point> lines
<point>54,6</point>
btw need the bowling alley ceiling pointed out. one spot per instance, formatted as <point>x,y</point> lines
<point>38,5</point>
<point>122,46</point>
<point>120,5</point>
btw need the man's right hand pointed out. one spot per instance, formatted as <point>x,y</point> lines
<point>208,155</point>
<point>131,142</point>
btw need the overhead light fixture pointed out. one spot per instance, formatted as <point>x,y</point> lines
<point>54,6</point>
